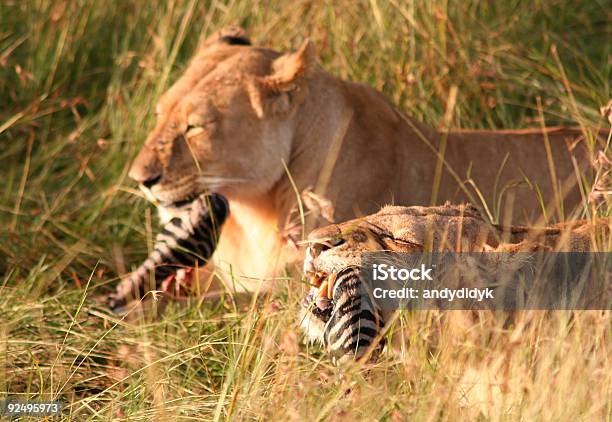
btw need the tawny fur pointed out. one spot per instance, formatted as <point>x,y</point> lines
<point>242,119</point>
<point>451,228</point>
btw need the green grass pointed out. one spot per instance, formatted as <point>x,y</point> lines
<point>78,82</point>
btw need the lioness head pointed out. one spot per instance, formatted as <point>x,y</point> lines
<point>226,124</point>
<point>397,229</point>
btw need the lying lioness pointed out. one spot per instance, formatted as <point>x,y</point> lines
<point>347,322</point>
<point>260,127</point>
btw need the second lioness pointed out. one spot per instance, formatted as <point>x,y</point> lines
<point>346,322</point>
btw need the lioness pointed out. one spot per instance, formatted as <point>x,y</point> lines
<point>341,313</point>
<point>260,127</point>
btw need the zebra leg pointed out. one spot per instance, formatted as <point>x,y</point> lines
<point>182,242</point>
<point>136,285</point>
<point>355,321</point>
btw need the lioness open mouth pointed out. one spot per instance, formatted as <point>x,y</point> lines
<point>323,289</point>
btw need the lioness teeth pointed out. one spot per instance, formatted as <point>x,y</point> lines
<point>316,279</point>
<point>331,281</point>
<point>323,289</point>
<point>324,283</point>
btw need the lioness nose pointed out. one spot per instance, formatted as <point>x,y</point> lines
<point>146,168</point>
<point>150,182</point>
<point>145,178</point>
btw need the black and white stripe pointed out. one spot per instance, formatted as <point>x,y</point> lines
<point>352,322</point>
<point>187,239</point>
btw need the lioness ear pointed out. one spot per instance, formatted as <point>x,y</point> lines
<point>278,92</point>
<point>231,35</point>
<point>290,67</point>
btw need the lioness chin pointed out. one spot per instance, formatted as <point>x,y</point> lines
<point>260,127</point>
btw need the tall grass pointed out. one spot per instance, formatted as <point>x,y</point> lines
<point>78,83</point>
